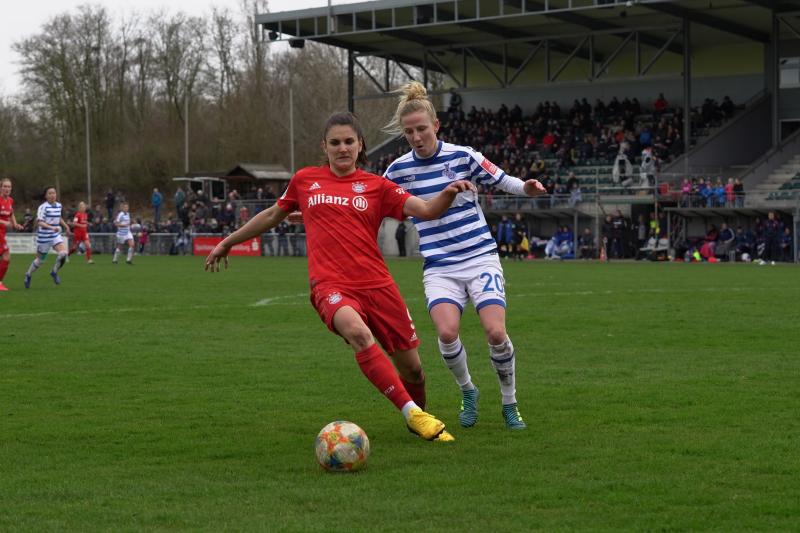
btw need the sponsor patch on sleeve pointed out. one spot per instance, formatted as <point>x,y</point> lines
<point>489,167</point>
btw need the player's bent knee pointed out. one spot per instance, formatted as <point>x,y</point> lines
<point>496,335</point>
<point>448,333</point>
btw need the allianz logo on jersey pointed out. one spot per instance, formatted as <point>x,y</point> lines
<point>359,203</point>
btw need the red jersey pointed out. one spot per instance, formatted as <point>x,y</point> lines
<point>81,218</point>
<point>6,210</point>
<point>342,216</point>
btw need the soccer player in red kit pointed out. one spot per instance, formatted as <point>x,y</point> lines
<point>351,288</point>
<point>7,221</point>
<point>80,232</point>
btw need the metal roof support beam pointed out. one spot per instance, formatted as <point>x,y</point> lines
<point>607,63</point>
<point>444,69</point>
<point>687,92</point>
<point>788,24</point>
<point>505,33</point>
<point>567,61</point>
<point>593,24</point>
<point>524,64</point>
<point>492,72</point>
<point>711,21</point>
<point>382,88</point>
<point>351,85</point>
<point>660,53</point>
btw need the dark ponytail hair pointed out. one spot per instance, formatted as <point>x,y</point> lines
<point>347,118</point>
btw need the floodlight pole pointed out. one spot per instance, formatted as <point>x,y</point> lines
<point>291,124</point>
<point>88,154</point>
<point>186,133</point>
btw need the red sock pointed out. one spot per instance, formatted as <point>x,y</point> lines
<point>381,373</point>
<point>416,391</point>
<point>88,254</point>
<point>3,268</point>
<point>72,250</point>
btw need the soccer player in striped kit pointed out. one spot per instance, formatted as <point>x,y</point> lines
<point>461,262</point>
<point>124,235</point>
<point>7,221</point>
<point>48,236</point>
<point>351,288</point>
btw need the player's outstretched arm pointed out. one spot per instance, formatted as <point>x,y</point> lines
<point>513,185</point>
<point>66,227</point>
<point>436,206</point>
<point>261,223</point>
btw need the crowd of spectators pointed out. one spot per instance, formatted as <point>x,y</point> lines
<point>552,141</point>
<point>701,192</point>
<point>769,240</point>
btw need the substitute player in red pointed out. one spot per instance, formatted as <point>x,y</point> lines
<point>7,221</point>
<point>80,233</point>
<point>351,288</point>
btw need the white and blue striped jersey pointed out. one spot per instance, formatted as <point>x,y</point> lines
<point>49,214</point>
<point>462,232</point>
<point>124,219</point>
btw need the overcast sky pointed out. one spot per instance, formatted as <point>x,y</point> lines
<point>26,18</point>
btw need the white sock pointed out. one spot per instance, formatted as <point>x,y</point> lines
<point>116,255</point>
<point>34,265</point>
<point>62,257</point>
<point>454,356</point>
<point>407,409</point>
<point>130,254</point>
<point>503,361</point>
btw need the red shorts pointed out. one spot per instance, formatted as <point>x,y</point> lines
<point>80,237</point>
<point>382,310</point>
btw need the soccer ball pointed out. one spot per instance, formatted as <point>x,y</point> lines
<point>342,446</point>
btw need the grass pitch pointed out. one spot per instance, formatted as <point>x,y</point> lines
<point>154,397</point>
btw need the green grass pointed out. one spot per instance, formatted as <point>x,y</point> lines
<point>157,397</point>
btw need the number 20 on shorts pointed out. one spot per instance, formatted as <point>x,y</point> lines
<point>497,279</point>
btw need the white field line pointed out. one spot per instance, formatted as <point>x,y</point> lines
<point>287,300</point>
<point>274,299</point>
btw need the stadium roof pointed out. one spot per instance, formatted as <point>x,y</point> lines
<point>422,33</point>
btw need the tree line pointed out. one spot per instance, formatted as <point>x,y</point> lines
<point>137,76</point>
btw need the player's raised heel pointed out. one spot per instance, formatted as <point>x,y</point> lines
<point>469,408</point>
<point>427,426</point>
<point>512,417</point>
<point>55,277</point>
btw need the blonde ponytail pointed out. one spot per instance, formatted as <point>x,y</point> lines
<point>413,98</point>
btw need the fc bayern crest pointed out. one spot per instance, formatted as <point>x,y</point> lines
<point>359,187</point>
<point>334,298</point>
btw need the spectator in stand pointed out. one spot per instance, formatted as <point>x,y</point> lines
<point>505,236</point>
<point>727,108</point>
<point>772,237</point>
<point>738,191</point>
<point>618,227</point>
<point>400,237</point>
<point>519,229</point>
<point>660,106</point>
<point>586,244</point>
<point>561,245</point>
<point>111,200</point>
<point>786,244</point>
<point>642,229</point>
<point>575,196</point>
<point>686,192</point>
<point>706,191</point>
<point>730,195</point>
<point>726,242</point>
<point>745,242</point>
<point>244,215</point>
<point>156,199</point>
<point>719,194</point>
<point>283,241</point>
